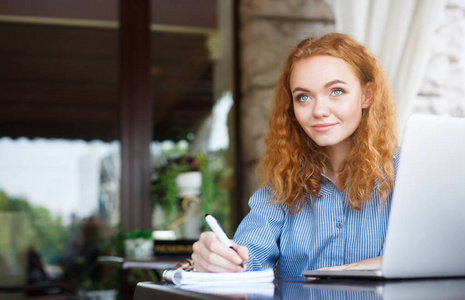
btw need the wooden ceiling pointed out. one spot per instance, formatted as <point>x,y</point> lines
<point>62,81</point>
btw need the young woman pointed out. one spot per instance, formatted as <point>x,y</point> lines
<point>328,169</point>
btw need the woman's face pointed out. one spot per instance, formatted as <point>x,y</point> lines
<point>328,99</point>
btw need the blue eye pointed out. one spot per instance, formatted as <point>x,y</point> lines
<point>303,98</point>
<point>337,92</point>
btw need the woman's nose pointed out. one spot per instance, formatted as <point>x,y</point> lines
<point>321,108</point>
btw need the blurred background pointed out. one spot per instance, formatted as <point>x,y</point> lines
<point>120,116</point>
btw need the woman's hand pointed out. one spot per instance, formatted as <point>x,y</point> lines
<point>367,264</point>
<point>210,255</point>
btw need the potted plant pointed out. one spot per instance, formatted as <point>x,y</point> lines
<point>138,244</point>
<point>177,179</point>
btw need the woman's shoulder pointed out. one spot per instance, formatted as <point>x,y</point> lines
<point>263,199</point>
<point>262,195</point>
<point>396,158</point>
<point>397,153</point>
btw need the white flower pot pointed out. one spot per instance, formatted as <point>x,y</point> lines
<point>189,183</point>
<point>138,248</point>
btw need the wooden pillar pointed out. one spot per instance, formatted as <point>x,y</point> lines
<point>136,107</point>
<point>238,209</point>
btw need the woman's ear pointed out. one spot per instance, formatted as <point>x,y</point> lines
<point>367,94</point>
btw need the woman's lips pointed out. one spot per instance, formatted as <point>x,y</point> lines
<point>323,127</point>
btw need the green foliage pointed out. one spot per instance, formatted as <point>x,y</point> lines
<point>13,204</point>
<point>217,182</point>
<point>116,246</point>
<point>207,189</point>
<point>139,233</point>
<point>168,190</point>
<point>53,235</point>
<point>4,201</point>
<point>223,183</point>
<point>165,187</point>
<point>47,234</point>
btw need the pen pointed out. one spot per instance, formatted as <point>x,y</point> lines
<point>219,232</point>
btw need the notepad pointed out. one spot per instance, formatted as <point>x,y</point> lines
<point>181,277</point>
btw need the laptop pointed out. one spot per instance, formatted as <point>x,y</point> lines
<point>426,227</point>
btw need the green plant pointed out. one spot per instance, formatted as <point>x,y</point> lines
<point>166,190</point>
<point>207,189</point>
<point>139,233</point>
<point>44,231</point>
<point>116,246</point>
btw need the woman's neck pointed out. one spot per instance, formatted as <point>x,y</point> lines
<point>337,155</point>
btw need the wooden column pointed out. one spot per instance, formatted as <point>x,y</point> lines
<point>238,209</point>
<point>136,107</point>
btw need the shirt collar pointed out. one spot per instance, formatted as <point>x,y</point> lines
<point>327,186</point>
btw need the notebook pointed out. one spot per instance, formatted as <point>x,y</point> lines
<point>181,277</point>
<point>426,227</point>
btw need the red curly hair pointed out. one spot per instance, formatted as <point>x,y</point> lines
<point>292,163</point>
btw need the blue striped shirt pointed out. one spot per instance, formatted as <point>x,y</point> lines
<point>330,233</point>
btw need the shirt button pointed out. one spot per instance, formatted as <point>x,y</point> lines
<point>339,224</point>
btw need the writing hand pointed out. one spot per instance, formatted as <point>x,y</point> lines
<point>211,255</point>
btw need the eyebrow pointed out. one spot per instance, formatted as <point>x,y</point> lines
<point>299,89</point>
<point>334,82</point>
<point>328,84</point>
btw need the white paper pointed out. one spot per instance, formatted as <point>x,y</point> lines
<point>181,277</point>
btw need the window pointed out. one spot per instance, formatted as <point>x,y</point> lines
<point>59,138</point>
<point>192,83</point>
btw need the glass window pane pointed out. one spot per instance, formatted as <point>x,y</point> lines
<point>59,139</point>
<point>193,145</point>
